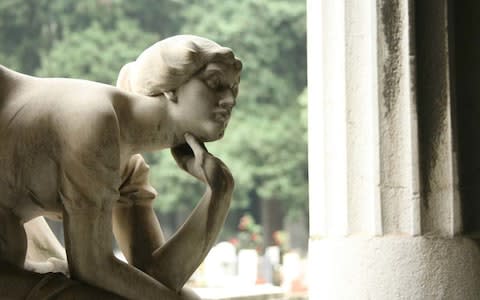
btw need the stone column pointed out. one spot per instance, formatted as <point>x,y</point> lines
<point>385,211</point>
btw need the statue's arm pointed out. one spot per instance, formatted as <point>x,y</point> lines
<point>89,189</point>
<point>174,262</point>
<point>135,225</point>
<point>137,233</point>
<point>91,260</point>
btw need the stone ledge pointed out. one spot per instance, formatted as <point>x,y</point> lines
<point>395,267</point>
<point>259,292</point>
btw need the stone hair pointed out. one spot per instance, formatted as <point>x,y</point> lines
<point>171,62</point>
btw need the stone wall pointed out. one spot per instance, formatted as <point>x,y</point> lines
<point>394,149</point>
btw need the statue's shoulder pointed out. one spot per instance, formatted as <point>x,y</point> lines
<point>89,140</point>
<point>7,74</point>
<point>8,79</point>
<point>4,71</point>
<point>87,120</point>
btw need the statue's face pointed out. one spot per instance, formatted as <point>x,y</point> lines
<point>205,102</point>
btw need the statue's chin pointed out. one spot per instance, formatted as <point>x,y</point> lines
<point>213,137</point>
<point>213,133</point>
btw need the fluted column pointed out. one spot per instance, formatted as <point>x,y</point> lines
<point>440,200</point>
<point>384,204</point>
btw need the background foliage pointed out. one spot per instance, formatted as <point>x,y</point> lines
<point>265,144</point>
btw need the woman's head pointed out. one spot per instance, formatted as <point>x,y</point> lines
<point>169,63</point>
<point>197,75</point>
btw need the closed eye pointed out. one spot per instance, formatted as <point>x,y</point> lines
<point>222,88</point>
<point>213,82</point>
<point>217,85</point>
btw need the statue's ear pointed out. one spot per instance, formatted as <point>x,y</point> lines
<point>171,96</point>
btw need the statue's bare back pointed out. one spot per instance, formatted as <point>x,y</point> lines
<point>58,144</point>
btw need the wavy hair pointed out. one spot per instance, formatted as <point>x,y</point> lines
<point>171,62</point>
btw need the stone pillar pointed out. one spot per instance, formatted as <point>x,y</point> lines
<point>385,211</point>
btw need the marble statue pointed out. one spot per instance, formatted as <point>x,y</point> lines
<point>69,150</point>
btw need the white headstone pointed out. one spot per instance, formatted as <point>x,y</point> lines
<point>220,265</point>
<point>247,266</point>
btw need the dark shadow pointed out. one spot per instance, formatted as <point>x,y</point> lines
<point>17,284</point>
<point>465,58</point>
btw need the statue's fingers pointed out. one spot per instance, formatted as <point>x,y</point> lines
<point>198,148</point>
<point>182,154</point>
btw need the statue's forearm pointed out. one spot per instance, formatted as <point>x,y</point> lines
<point>175,262</point>
<point>219,204</point>
<point>137,232</point>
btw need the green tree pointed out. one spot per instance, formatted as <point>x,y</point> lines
<point>29,28</point>
<point>24,29</point>
<point>96,53</point>
<point>261,145</point>
<point>161,17</point>
<point>264,145</point>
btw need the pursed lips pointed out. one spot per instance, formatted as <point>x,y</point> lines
<point>222,114</point>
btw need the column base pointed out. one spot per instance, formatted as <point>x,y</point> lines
<point>395,267</point>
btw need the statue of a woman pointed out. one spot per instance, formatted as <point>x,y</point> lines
<point>70,150</point>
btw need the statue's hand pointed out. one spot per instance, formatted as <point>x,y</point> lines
<point>194,158</point>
